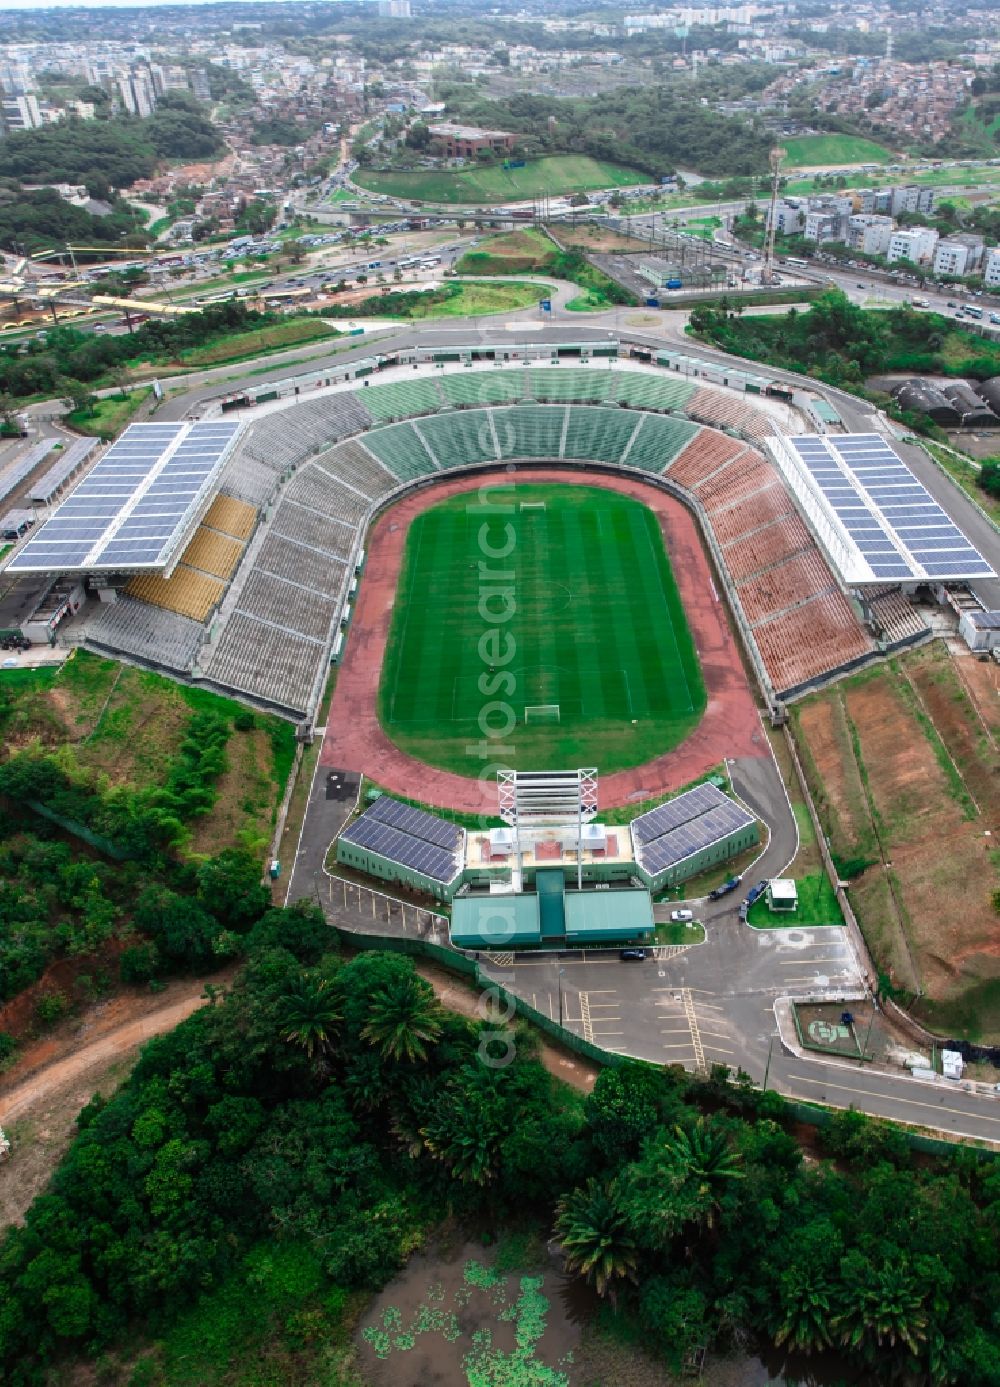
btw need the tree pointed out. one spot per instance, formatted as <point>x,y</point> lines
<point>883,1306</point>
<point>805,1310</point>
<point>403,1021</point>
<point>595,1237</point>
<point>75,395</point>
<point>309,1015</point>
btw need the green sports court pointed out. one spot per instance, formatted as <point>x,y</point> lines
<point>575,639</point>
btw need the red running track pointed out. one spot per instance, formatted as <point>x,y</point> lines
<point>354,738</point>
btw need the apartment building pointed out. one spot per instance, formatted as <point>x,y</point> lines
<point>916,245</point>
<point>958,255</point>
<point>869,234</point>
<point>991,273</point>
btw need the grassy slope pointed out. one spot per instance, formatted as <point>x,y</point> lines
<point>595,603</point>
<point>108,416</point>
<point>834,149</point>
<point>562,173</point>
<point>127,724</point>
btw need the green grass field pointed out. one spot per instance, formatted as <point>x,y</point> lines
<point>598,629</point>
<point>804,150</point>
<point>560,173</point>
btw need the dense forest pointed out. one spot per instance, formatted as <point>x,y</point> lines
<point>105,154</point>
<point>331,1109</point>
<point>657,128</point>
<point>842,344</point>
<point>39,219</point>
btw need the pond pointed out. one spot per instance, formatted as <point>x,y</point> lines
<point>465,1315</point>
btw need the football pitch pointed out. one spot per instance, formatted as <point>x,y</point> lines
<point>565,646</point>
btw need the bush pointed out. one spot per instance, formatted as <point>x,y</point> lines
<point>8,1046</point>
<point>140,964</point>
<point>51,1007</point>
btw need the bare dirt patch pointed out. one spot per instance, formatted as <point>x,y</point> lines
<point>927,764</point>
<point>42,1094</point>
<point>596,238</point>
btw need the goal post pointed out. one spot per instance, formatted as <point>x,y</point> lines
<point>541,712</point>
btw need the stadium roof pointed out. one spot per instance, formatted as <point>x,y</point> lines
<point>685,825</point>
<point>875,520</point>
<point>136,503</point>
<point>410,837</point>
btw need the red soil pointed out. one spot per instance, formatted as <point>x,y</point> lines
<point>355,740</point>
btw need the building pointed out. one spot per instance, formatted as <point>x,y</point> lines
<point>916,245</point>
<point>394,9</point>
<point>465,141</point>
<point>869,234</point>
<point>19,113</point>
<point>137,93</point>
<point>980,630</point>
<point>698,829</point>
<point>790,216</point>
<point>991,272</point>
<point>826,218</point>
<point>958,255</point>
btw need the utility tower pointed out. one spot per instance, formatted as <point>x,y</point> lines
<point>767,269</point>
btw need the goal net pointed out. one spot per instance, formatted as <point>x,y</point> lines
<point>541,712</point>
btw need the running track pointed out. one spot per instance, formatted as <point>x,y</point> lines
<point>354,740</point>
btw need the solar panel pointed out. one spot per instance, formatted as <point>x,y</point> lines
<point>409,837</point>
<point>683,826</point>
<point>136,503</point>
<point>884,515</point>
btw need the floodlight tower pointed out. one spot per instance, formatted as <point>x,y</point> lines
<point>767,269</point>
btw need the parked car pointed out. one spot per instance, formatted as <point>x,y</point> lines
<point>626,955</point>
<point>724,889</point>
<point>679,916</point>
<point>755,892</point>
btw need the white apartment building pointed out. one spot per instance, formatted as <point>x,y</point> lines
<point>958,255</point>
<point>790,216</point>
<point>19,113</point>
<point>137,93</point>
<point>869,234</point>
<point>991,274</point>
<point>916,245</point>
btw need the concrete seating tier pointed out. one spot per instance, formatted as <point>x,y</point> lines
<point>401,399</point>
<point>304,526</point>
<point>315,489</point>
<point>212,552</point>
<point>402,451</point>
<point>657,442</point>
<point>248,481</point>
<point>568,384</point>
<point>785,586</point>
<point>152,634</point>
<point>482,387</point>
<point>530,431</point>
<point>724,411</point>
<point>813,640</point>
<point>186,592</point>
<point>705,454</point>
<point>354,464</point>
<point>772,543</point>
<point>739,480</point>
<point>231,517</point>
<point>897,621</point>
<point>602,435</point>
<point>286,604</point>
<point>266,663</point>
<point>287,558</point>
<point>769,504</point>
<point>458,439</point>
<point>644,391</point>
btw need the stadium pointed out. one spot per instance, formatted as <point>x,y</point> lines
<point>685,551</point>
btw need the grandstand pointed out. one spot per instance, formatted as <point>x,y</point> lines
<point>257,595</point>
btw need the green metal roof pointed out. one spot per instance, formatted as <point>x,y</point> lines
<point>494,922</point>
<point>608,915</point>
<point>551,887</point>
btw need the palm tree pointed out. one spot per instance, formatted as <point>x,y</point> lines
<point>465,1128</point>
<point>884,1306</point>
<point>804,1317</point>
<point>595,1236</point>
<point>402,1019</point>
<point>308,1015</point>
<point>704,1158</point>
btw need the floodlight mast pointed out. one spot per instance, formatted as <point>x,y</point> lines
<point>767,269</point>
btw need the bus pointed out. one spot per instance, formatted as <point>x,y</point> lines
<point>971,312</point>
<point>795,260</point>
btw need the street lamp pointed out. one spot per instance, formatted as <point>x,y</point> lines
<point>767,1067</point>
<point>559,983</point>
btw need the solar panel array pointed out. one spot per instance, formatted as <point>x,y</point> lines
<point>683,826</point>
<point>23,467</point>
<point>64,467</point>
<point>410,837</point>
<point>891,520</point>
<point>136,503</point>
